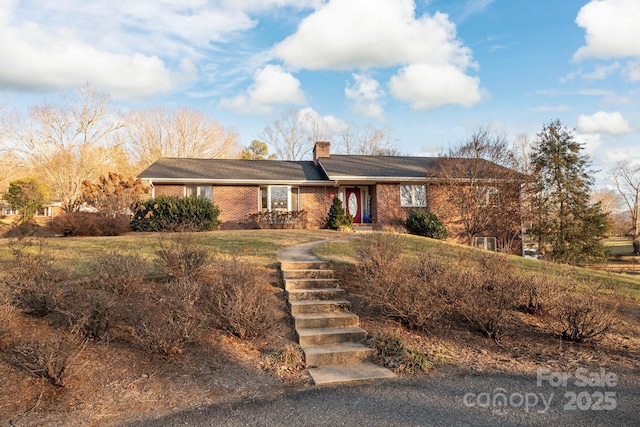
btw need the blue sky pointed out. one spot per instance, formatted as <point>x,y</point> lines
<point>431,71</point>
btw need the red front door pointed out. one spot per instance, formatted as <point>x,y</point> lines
<point>354,196</point>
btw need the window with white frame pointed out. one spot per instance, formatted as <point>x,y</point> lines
<point>413,195</point>
<point>46,211</point>
<point>9,212</point>
<point>279,198</point>
<point>486,243</point>
<point>488,196</point>
<point>204,191</point>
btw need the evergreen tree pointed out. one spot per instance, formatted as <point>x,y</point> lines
<point>566,223</point>
<point>26,196</point>
<point>337,217</point>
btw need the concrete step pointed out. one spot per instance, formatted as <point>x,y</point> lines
<point>335,306</point>
<point>346,373</point>
<point>307,274</point>
<point>326,320</point>
<point>315,294</point>
<point>304,265</point>
<point>324,336</point>
<point>310,283</point>
<point>337,354</point>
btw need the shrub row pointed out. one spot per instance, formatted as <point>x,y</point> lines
<point>195,288</point>
<point>480,287</point>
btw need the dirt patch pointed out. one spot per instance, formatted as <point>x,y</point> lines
<point>113,381</point>
<point>526,345</point>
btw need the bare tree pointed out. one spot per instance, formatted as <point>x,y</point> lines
<point>482,188</point>
<point>610,202</point>
<point>68,143</point>
<point>627,179</point>
<point>288,136</point>
<point>367,140</point>
<point>157,133</point>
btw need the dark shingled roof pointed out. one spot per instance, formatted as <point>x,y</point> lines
<point>232,170</point>
<point>337,168</point>
<point>376,166</point>
<point>389,167</point>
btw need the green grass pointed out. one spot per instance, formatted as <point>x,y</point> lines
<point>260,247</point>
<point>619,246</point>
<point>603,282</point>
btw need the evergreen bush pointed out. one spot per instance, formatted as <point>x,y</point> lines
<point>423,223</point>
<point>337,218</point>
<point>166,213</point>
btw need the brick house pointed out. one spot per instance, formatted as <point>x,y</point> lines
<point>43,216</point>
<point>377,190</point>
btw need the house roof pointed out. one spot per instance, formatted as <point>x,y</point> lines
<point>381,167</point>
<point>329,170</point>
<point>233,170</point>
<point>385,168</point>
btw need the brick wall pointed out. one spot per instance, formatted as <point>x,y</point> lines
<point>168,190</point>
<point>236,203</point>
<point>385,206</point>
<point>317,202</point>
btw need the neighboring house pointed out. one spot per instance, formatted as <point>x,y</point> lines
<point>43,216</point>
<point>376,190</point>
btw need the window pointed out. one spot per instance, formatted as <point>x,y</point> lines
<point>48,211</point>
<point>486,243</point>
<point>413,195</point>
<point>9,212</point>
<point>488,196</point>
<point>279,198</point>
<point>205,191</point>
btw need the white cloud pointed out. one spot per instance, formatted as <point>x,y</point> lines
<point>426,86</point>
<point>272,85</point>
<point>259,5</point>
<point>611,28</point>
<point>348,34</point>
<point>361,34</point>
<point>590,142</point>
<point>603,122</point>
<point>33,58</point>
<point>321,127</point>
<point>132,51</point>
<point>552,108</point>
<point>365,93</point>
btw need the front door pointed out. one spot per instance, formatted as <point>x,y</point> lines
<point>354,196</point>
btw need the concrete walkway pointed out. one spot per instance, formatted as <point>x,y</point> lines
<point>303,252</point>
<point>329,334</point>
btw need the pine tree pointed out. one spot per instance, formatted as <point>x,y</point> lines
<point>566,222</point>
<point>337,217</point>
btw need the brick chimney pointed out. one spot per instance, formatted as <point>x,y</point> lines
<point>321,149</point>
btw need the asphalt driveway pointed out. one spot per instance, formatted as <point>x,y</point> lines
<point>440,399</point>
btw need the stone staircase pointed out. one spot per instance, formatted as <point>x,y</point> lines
<point>329,334</point>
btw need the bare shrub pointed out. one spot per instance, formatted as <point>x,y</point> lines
<point>401,289</point>
<point>33,277</point>
<point>486,290</point>
<point>7,313</point>
<point>238,300</point>
<point>119,271</point>
<point>540,293</point>
<point>392,353</point>
<point>378,252</point>
<point>582,316</point>
<point>182,257</point>
<point>166,330</point>
<point>288,360</point>
<point>89,224</point>
<point>89,312</point>
<point>49,358</point>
